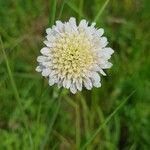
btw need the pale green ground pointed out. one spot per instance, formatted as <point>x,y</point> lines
<point>22,29</point>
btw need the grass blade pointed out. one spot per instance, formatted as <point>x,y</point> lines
<point>101,11</point>
<point>52,12</point>
<point>61,9</point>
<point>76,9</point>
<point>81,2</point>
<point>105,122</point>
<point>16,94</point>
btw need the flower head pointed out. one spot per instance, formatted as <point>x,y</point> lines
<point>74,56</point>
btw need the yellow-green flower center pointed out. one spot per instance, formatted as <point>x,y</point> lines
<point>72,54</point>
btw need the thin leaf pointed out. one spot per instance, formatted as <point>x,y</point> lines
<point>105,122</point>
<point>76,9</point>
<point>101,11</point>
<point>52,11</point>
<point>61,9</point>
<point>81,2</point>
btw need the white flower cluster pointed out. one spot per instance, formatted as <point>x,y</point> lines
<point>74,55</point>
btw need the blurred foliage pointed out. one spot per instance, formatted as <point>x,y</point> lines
<point>22,29</point>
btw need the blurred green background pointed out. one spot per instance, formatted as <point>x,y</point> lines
<point>29,115</point>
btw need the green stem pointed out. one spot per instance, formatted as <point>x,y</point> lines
<point>52,121</point>
<point>85,115</point>
<point>78,132</point>
<point>77,112</point>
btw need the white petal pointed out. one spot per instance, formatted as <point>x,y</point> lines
<point>51,81</point>
<point>38,69</point>
<point>95,76</point>
<point>106,65</point>
<point>100,31</point>
<point>97,84</point>
<point>79,84</point>
<point>96,79</point>
<point>45,51</point>
<point>46,72</point>
<point>105,53</point>
<point>95,67</point>
<point>68,28</point>
<point>56,79</point>
<point>56,30</point>
<point>109,50</point>
<point>66,83</point>
<point>47,64</point>
<point>48,30</point>
<point>103,41</point>
<point>50,38</point>
<point>93,24</point>
<point>53,72</point>
<point>88,83</point>
<point>72,22</point>
<point>73,89</point>
<point>48,44</point>
<point>59,83</point>
<point>102,72</point>
<point>83,24</point>
<point>41,58</point>
<point>60,25</point>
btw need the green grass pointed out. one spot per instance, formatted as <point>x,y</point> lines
<point>32,117</point>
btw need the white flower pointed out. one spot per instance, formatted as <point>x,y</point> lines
<point>74,55</point>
